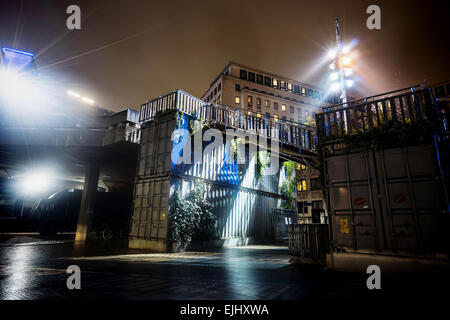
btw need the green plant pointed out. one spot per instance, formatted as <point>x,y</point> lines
<point>262,162</point>
<point>191,217</point>
<point>204,220</point>
<point>181,218</point>
<point>234,147</point>
<point>196,125</point>
<point>288,186</point>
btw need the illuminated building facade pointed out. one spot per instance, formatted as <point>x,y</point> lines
<point>265,94</point>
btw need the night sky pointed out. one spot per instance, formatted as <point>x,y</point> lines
<point>129,51</point>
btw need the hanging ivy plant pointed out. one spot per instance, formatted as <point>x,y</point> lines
<point>196,125</point>
<point>262,162</point>
<point>234,147</point>
<point>191,217</point>
<point>288,186</point>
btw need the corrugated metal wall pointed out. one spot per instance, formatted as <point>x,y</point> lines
<point>387,199</point>
<point>242,202</point>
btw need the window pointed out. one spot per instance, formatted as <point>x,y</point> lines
<point>301,185</point>
<point>306,115</point>
<point>259,115</point>
<point>251,76</point>
<point>302,207</point>
<point>215,91</point>
<point>284,118</point>
<point>219,99</point>
<point>275,105</point>
<point>292,109</point>
<point>310,92</point>
<point>258,102</point>
<point>291,119</point>
<point>296,89</point>
<point>275,83</point>
<point>259,79</point>
<point>267,104</point>
<point>267,115</point>
<point>237,99</point>
<point>315,184</point>
<point>211,95</point>
<point>219,87</point>
<point>283,107</point>
<point>249,100</point>
<point>301,166</point>
<point>303,91</point>
<point>243,75</point>
<point>282,85</point>
<point>299,114</point>
<point>289,87</point>
<point>276,117</point>
<point>268,81</point>
<point>237,87</point>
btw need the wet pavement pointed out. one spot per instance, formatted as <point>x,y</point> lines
<point>32,267</point>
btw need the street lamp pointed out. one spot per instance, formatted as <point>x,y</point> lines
<point>80,97</point>
<point>341,64</point>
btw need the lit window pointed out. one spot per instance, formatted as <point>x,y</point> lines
<point>283,85</point>
<point>249,99</point>
<point>290,87</point>
<point>301,185</point>
<point>275,83</point>
<point>237,99</point>
<point>219,99</point>
<point>259,115</point>
<point>276,117</point>
<point>301,166</point>
<point>303,91</point>
<point>267,103</point>
<point>258,102</point>
<point>283,107</point>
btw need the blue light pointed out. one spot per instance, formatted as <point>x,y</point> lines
<point>6,50</point>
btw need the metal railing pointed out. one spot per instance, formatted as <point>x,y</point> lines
<point>412,106</point>
<point>309,242</point>
<point>289,133</point>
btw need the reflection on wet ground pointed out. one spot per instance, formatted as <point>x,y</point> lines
<point>32,267</point>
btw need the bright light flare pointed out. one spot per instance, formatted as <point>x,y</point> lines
<point>16,87</point>
<point>335,87</point>
<point>348,72</point>
<point>349,83</point>
<point>332,53</point>
<point>346,60</point>
<point>332,66</point>
<point>73,94</point>
<point>87,100</point>
<point>334,76</point>
<point>36,182</point>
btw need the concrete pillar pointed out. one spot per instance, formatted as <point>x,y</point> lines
<point>86,215</point>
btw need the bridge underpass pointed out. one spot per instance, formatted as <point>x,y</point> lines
<point>69,156</point>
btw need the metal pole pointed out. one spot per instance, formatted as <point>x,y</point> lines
<point>341,69</point>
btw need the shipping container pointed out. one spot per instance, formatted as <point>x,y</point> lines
<point>387,199</point>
